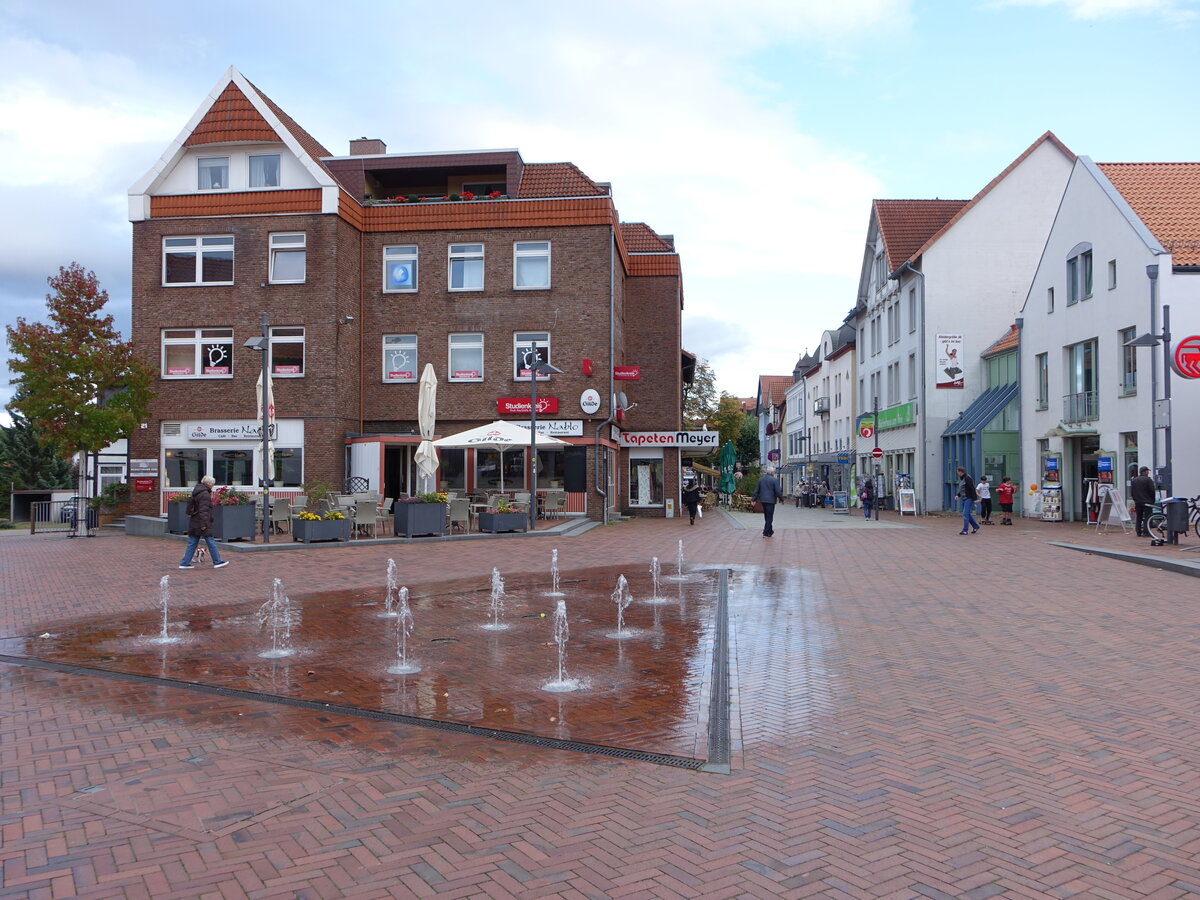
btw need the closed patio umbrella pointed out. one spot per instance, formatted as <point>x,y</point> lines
<point>726,461</point>
<point>499,436</point>
<point>426,457</point>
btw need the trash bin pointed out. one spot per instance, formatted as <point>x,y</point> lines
<point>1176,510</point>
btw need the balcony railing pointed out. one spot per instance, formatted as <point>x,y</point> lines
<point>821,406</point>
<point>1081,407</point>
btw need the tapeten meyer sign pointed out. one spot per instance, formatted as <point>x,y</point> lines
<point>694,439</point>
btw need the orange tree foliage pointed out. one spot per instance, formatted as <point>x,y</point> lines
<point>77,382</point>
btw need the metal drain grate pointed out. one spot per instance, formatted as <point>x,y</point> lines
<point>516,737</point>
<point>718,704</point>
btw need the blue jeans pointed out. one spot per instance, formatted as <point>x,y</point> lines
<point>867,505</point>
<point>968,510</point>
<point>193,542</point>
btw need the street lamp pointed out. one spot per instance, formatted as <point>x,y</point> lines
<point>263,345</point>
<point>1153,340</point>
<point>537,366</point>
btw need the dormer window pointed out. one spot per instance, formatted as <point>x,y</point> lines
<point>264,170</point>
<point>213,173</point>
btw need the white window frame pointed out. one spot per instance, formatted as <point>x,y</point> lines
<point>201,167</point>
<point>288,243</point>
<point>399,350</point>
<point>522,343</point>
<point>463,254</point>
<point>529,250</point>
<point>197,246</point>
<point>477,343</point>
<point>912,310</point>
<point>1128,368</point>
<point>1041,366</point>
<point>197,339</point>
<point>1049,300</point>
<point>1080,274</point>
<point>1112,274</point>
<point>278,170</point>
<point>396,255</point>
<point>287,334</point>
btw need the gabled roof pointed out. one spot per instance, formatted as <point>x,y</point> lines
<point>772,389</point>
<point>1005,344</point>
<point>907,224</point>
<point>1047,138</point>
<point>564,179</point>
<point>1166,197</point>
<point>641,238</point>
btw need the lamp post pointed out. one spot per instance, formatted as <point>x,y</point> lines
<point>263,345</point>
<point>537,366</point>
<point>1153,340</point>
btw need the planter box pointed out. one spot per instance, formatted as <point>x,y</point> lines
<point>509,521</point>
<point>308,530</point>
<point>231,523</point>
<point>177,519</point>
<point>420,518</point>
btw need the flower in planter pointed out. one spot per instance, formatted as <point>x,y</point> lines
<point>467,195</point>
<point>494,195</point>
<point>306,516</point>
<point>426,497</point>
<point>227,496</point>
<point>332,515</point>
<point>179,498</point>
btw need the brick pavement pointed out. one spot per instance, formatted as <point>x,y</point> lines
<point>919,715</point>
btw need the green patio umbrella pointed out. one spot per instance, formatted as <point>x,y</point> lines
<point>726,462</point>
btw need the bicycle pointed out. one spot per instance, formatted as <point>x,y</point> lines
<point>1156,521</point>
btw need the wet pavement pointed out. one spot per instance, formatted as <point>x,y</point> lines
<point>913,714</point>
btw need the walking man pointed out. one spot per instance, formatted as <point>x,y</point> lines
<point>768,493</point>
<point>1142,492</point>
<point>967,495</point>
<point>200,518</point>
<point>866,496</point>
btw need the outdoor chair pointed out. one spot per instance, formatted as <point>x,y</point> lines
<point>281,514</point>
<point>383,515</point>
<point>554,504</point>
<point>299,502</point>
<point>366,516</point>
<point>460,514</point>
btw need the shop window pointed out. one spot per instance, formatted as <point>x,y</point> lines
<point>264,170</point>
<point>523,353</point>
<point>645,481</point>
<point>289,466</point>
<point>399,358</point>
<point>531,265</point>
<point>183,468</point>
<point>400,269</point>
<point>197,353</point>
<point>288,258</point>
<point>233,467</point>
<point>466,267</point>
<point>287,352</point>
<point>466,357</point>
<point>488,470</point>
<point>197,260</point>
<point>551,469</point>
<point>452,470</point>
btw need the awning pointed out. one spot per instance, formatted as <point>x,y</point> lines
<point>706,470</point>
<point>1067,429</point>
<point>982,410</point>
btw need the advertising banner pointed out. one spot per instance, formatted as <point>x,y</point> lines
<point>516,406</point>
<point>949,368</point>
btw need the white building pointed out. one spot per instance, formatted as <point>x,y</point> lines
<point>1125,244</point>
<point>831,399</point>
<point>951,297</point>
<point>795,426</point>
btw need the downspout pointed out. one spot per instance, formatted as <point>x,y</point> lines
<point>921,429</point>
<point>612,413</point>
<point>1020,414</point>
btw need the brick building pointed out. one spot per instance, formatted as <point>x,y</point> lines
<point>369,266</point>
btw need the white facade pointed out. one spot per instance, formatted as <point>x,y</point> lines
<point>1083,395</point>
<point>970,280</point>
<point>795,433</point>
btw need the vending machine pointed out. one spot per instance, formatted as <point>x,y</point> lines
<point>1052,489</point>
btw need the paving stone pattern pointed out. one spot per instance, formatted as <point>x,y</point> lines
<point>918,715</point>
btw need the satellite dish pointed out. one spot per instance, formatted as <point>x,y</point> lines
<point>622,400</point>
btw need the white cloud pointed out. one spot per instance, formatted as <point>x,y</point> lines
<point>1175,11</point>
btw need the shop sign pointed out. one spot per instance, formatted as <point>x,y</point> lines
<point>627,373</point>
<point>1186,358</point>
<point>518,406</point>
<point>556,427</point>
<point>949,370</point>
<point>896,416</point>
<point>227,431</point>
<point>286,370</point>
<point>691,439</point>
<point>144,467</point>
<point>589,401</point>
<point>142,485</point>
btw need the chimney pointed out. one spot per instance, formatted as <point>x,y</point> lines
<point>364,146</point>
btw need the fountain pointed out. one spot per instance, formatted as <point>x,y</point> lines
<point>276,613</point>
<point>554,591</point>
<point>622,598</point>
<point>390,600</point>
<point>497,603</point>
<point>655,580</point>
<point>404,624</point>
<point>562,634</point>
<point>164,600</point>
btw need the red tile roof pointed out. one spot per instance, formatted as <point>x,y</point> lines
<point>241,203</point>
<point>311,145</point>
<point>641,238</point>
<point>1005,344</point>
<point>772,388</point>
<point>556,180</point>
<point>907,224</point>
<point>1166,197</point>
<point>232,117</point>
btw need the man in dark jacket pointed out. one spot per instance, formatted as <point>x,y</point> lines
<point>967,495</point>
<point>200,518</point>
<point>768,493</point>
<point>1142,492</point>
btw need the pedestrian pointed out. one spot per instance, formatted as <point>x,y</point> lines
<point>691,499</point>
<point>984,490</point>
<point>1005,491</point>
<point>1143,493</point>
<point>200,517</point>
<point>768,492</point>
<point>967,496</point>
<point>798,492</point>
<point>866,496</point>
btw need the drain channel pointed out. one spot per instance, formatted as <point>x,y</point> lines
<point>718,703</point>
<point>515,737</point>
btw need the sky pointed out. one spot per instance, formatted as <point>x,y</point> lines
<point>756,133</point>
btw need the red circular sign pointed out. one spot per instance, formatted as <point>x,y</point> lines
<point>866,431</point>
<point>1187,357</point>
<point>877,453</point>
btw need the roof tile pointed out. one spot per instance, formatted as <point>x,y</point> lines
<point>907,224</point>
<point>1165,196</point>
<point>541,180</point>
